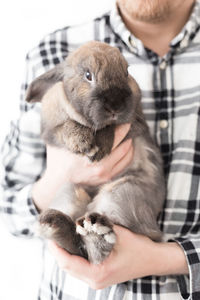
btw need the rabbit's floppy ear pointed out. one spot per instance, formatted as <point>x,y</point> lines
<point>41,84</point>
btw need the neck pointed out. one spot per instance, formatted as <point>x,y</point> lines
<point>157,35</point>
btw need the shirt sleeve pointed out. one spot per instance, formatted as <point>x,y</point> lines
<point>189,286</point>
<point>23,152</point>
<point>23,161</point>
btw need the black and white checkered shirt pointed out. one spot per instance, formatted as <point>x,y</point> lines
<point>171,102</point>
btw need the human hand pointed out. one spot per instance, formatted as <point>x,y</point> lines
<point>130,258</point>
<point>62,166</point>
<point>65,165</point>
<point>133,256</point>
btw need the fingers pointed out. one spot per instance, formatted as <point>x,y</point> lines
<point>78,266</point>
<point>120,133</point>
<point>114,163</point>
<point>78,169</point>
<point>118,153</point>
<point>120,157</point>
<point>125,161</point>
<point>68,261</point>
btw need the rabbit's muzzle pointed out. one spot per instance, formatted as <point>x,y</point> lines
<point>113,106</point>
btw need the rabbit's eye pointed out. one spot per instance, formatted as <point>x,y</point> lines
<point>88,75</point>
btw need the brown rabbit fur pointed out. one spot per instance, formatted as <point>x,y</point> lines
<point>83,99</point>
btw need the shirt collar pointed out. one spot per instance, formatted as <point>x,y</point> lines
<point>189,30</point>
<point>136,46</point>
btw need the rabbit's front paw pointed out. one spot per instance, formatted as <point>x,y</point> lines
<point>97,234</point>
<point>82,143</point>
<point>104,140</point>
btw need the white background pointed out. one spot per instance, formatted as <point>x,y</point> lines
<point>22,24</point>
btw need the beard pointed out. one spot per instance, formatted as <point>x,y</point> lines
<point>150,11</point>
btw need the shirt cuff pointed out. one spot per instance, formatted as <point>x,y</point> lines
<point>189,286</point>
<point>19,212</point>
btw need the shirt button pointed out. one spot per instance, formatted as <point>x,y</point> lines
<point>163,124</point>
<point>132,42</point>
<point>133,45</point>
<point>163,65</point>
<point>184,43</point>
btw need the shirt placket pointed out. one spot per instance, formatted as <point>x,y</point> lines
<point>163,92</point>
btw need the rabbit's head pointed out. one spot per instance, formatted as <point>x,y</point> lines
<point>96,83</point>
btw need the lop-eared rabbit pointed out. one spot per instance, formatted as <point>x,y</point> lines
<point>83,99</point>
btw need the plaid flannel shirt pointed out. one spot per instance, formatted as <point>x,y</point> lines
<point>171,102</point>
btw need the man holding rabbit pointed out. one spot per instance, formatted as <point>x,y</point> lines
<point>161,42</point>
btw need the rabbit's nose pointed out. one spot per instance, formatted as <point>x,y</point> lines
<point>110,109</point>
<point>111,113</point>
<point>114,106</point>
